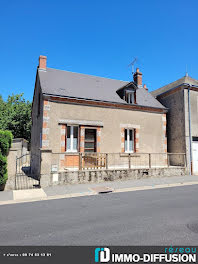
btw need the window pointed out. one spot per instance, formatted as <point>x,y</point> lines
<point>129,140</point>
<point>130,97</point>
<point>72,139</point>
<point>90,140</point>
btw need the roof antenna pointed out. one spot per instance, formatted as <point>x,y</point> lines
<point>132,64</point>
<point>186,75</point>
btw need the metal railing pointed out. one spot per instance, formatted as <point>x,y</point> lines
<point>115,161</point>
<point>24,178</point>
<point>23,163</point>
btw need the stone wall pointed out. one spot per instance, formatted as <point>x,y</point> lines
<point>11,161</point>
<point>175,121</point>
<point>18,149</point>
<point>78,177</point>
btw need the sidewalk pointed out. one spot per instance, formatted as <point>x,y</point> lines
<point>68,191</point>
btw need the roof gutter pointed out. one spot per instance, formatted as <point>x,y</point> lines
<point>124,104</point>
<point>172,89</point>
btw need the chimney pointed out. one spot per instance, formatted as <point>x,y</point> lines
<point>137,77</point>
<point>42,62</point>
<point>145,87</point>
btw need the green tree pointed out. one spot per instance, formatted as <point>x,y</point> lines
<point>2,113</point>
<point>15,115</point>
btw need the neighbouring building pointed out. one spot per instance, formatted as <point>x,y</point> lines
<point>75,113</point>
<point>181,98</point>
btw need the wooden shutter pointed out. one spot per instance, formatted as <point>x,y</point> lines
<point>134,140</point>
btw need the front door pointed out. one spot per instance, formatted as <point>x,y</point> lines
<point>195,157</point>
<point>90,140</point>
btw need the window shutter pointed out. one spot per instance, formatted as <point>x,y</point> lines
<point>134,140</point>
<point>79,129</point>
<point>65,138</point>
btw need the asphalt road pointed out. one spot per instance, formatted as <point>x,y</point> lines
<point>155,217</point>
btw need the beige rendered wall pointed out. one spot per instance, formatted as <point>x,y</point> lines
<point>194,112</point>
<point>194,120</point>
<point>151,126</point>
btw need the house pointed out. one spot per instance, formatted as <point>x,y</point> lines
<point>75,113</point>
<point>181,98</point>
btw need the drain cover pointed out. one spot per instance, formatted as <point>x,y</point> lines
<point>193,227</point>
<point>102,189</point>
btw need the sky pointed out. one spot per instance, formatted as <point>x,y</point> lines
<point>99,38</point>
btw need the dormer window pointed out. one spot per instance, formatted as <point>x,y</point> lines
<point>130,97</point>
<point>128,93</point>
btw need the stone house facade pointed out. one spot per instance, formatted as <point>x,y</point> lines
<point>181,99</point>
<point>75,113</point>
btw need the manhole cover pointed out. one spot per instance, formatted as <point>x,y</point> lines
<point>102,189</point>
<point>193,227</point>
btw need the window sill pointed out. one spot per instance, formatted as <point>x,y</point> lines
<point>72,152</point>
<point>126,154</point>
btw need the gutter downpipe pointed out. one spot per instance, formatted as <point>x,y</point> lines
<point>190,137</point>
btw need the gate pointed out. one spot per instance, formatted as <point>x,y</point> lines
<point>93,161</point>
<point>25,179</point>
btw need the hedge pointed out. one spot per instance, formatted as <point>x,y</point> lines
<point>5,141</point>
<point>3,169</point>
<point>5,144</point>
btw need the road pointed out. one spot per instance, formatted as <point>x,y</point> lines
<point>166,216</point>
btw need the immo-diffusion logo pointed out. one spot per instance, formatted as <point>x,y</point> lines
<point>102,255</point>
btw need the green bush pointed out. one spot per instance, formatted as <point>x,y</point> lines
<point>3,169</point>
<point>5,141</point>
<point>5,144</point>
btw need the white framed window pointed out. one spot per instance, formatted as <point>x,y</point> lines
<point>130,97</point>
<point>129,140</point>
<point>72,139</point>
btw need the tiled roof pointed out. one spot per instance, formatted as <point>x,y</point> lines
<point>183,80</point>
<point>82,86</point>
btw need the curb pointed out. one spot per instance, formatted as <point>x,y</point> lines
<point>55,197</point>
<point>122,190</point>
<point>159,186</point>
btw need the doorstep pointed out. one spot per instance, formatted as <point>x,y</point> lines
<point>29,194</point>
